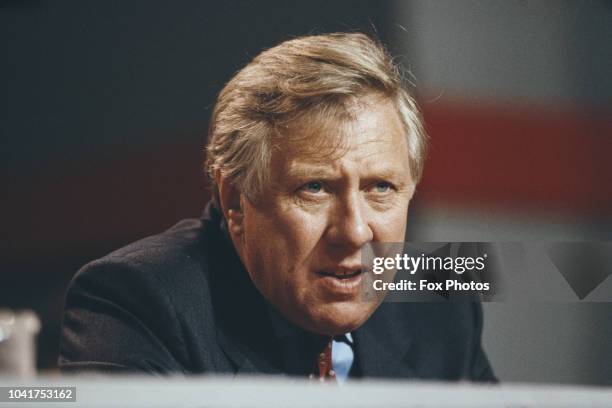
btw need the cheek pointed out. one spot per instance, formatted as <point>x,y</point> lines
<point>301,225</point>
<point>300,232</point>
<point>391,226</point>
<point>281,243</point>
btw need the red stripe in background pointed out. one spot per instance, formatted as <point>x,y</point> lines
<point>514,158</point>
<point>481,157</point>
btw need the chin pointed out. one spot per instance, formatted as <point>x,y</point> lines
<point>340,318</point>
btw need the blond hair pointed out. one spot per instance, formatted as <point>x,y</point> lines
<point>313,74</point>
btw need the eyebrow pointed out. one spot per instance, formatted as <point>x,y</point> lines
<point>322,172</point>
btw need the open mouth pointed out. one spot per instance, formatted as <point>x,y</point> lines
<point>342,274</point>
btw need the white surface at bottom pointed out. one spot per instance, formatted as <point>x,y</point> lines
<point>133,391</point>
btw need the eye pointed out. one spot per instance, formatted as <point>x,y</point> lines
<point>382,187</point>
<point>312,187</point>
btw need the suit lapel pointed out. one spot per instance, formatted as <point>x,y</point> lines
<point>243,328</point>
<point>244,332</point>
<point>244,358</point>
<point>383,344</point>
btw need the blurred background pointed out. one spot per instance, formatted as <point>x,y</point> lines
<point>104,107</point>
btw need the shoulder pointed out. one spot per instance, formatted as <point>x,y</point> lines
<point>179,244</point>
<point>136,306</point>
<point>167,262</point>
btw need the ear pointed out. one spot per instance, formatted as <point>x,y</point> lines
<point>231,203</point>
<point>411,190</point>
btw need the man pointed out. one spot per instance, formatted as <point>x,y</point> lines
<point>315,149</point>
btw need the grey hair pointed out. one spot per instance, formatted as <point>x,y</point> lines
<point>312,74</point>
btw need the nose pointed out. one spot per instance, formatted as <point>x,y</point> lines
<point>350,226</point>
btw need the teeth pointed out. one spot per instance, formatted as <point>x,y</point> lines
<point>343,274</point>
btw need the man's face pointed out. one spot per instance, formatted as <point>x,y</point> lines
<point>301,242</point>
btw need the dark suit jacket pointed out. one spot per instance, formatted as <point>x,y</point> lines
<point>181,301</point>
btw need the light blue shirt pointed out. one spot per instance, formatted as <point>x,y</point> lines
<point>343,357</point>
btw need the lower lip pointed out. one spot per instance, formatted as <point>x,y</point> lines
<point>348,286</point>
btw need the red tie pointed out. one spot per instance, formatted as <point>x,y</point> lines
<point>326,371</point>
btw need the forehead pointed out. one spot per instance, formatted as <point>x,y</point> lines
<point>369,129</point>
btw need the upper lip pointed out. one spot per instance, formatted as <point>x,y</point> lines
<point>341,270</point>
